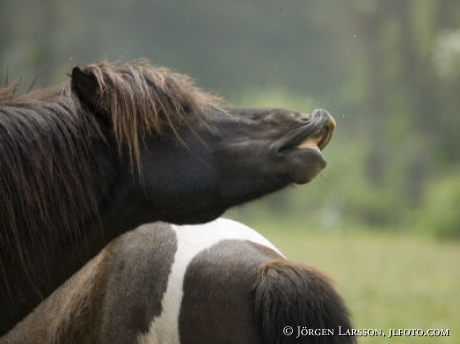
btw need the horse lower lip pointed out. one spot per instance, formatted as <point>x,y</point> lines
<point>305,172</point>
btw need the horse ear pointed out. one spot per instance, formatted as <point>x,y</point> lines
<point>86,87</point>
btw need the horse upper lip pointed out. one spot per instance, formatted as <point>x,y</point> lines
<point>317,139</point>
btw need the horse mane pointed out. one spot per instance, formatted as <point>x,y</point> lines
<point>8,92</point>
<point>46,179</point>
<point>297,295</point>
<point>51,177</point>
<point>142,99</point>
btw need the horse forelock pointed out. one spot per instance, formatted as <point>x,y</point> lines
<point>142,99</point>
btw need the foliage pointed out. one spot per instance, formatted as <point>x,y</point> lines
<point>342,195</point>
<point>439,213</point>
<point>388,71</point>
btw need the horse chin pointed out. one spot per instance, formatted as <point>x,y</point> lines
<point>304,165</point>
<point>195,217</point>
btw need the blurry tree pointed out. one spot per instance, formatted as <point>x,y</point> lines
<point>389,71</point>
<point>438,214</point>
<point>401,91</point>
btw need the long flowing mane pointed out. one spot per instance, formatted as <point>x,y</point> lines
<point>49,142</point>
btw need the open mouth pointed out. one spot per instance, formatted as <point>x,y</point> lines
<point>316,141</point>
<point>319,139</point>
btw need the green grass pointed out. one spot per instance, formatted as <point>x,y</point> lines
<point>388,280</point>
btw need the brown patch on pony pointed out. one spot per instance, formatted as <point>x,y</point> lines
<point>294,294</point>
<point>142,100</point>
<point>111,299</point>
<point>217,304</point>
<point>72,313</point>
<point>137,279</point>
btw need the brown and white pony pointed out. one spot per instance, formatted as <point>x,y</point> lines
<point>118,146</point>
<point>219,282</point>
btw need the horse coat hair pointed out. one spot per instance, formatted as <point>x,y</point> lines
<point>220,282</point>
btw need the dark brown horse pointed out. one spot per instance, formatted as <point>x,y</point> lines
<point>220,282</point>
<point>118,146</point>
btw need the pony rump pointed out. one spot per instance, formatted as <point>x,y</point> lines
<point>296,295</point>
<point>141,99</point>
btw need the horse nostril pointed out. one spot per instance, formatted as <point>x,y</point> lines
<point>324,117</point>
<point>320,113</point>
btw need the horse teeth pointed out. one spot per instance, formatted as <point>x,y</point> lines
<point>311,143</point>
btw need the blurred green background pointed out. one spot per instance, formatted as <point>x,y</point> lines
<point>384,218</point>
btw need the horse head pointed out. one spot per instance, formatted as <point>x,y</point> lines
<point>119,146</point>
<point>200,156</point>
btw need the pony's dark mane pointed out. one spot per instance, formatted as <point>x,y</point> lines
<point>8,91</point>
<point>294,294</point>
<point>142,99</point>
<point>49,143</point>
<point>46,174</point>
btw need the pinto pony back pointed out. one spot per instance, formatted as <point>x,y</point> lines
<point>220,282</point>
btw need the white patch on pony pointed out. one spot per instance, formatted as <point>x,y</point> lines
<point>191,240</point>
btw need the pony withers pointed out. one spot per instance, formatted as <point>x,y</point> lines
<point>220,282</point>
<point>118,146</point>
